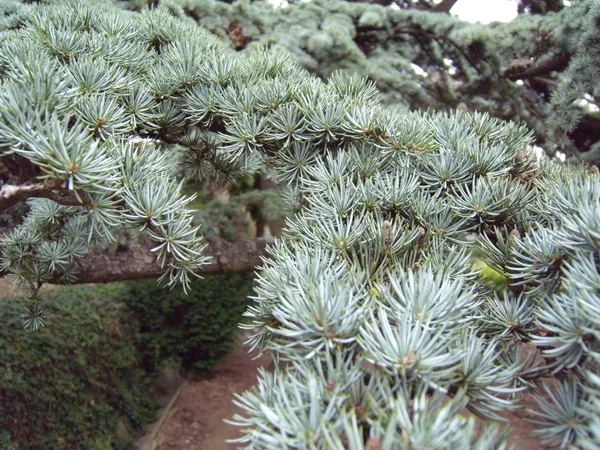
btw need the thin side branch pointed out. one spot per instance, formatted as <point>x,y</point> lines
<point>418,31</point>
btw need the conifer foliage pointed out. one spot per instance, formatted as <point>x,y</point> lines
<point>540,69</point>
<point>384,332</point>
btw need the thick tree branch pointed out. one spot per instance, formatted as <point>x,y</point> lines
<point>444,6</point>
<point>137,261</point>
<point>521,69</point>
<point>373,2</point>
<point>11,194</point>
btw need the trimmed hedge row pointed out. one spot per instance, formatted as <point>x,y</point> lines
<point>76,383</point>
<point>85,381</point>
<point>195,330</point>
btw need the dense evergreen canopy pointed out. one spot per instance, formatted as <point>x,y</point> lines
<point>370,296</point>
<point>541,69</point>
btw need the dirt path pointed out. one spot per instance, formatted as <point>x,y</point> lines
<point>196,420</point>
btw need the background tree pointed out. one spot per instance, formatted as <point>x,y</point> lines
<point>370,298</point>
<point>541,69</point>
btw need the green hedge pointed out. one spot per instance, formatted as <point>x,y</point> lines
<point>78,382</point>
<point>195,330</point>
<point>85,380</point>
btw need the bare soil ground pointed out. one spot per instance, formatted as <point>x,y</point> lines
<point>196,420</point>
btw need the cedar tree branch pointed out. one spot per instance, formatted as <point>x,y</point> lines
<point>137,261</point>
<point>11,194</point>
<point>521,69</point>
<point>444,6</point>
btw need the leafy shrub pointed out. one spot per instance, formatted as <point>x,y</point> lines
<point>85,381</point>
<point>75,385</point>
<point>197,329</point>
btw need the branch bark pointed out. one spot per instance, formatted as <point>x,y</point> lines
<point>11,194</point>
<point>137,261</point>
<point>521,69</point>
<point>444,6</point>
